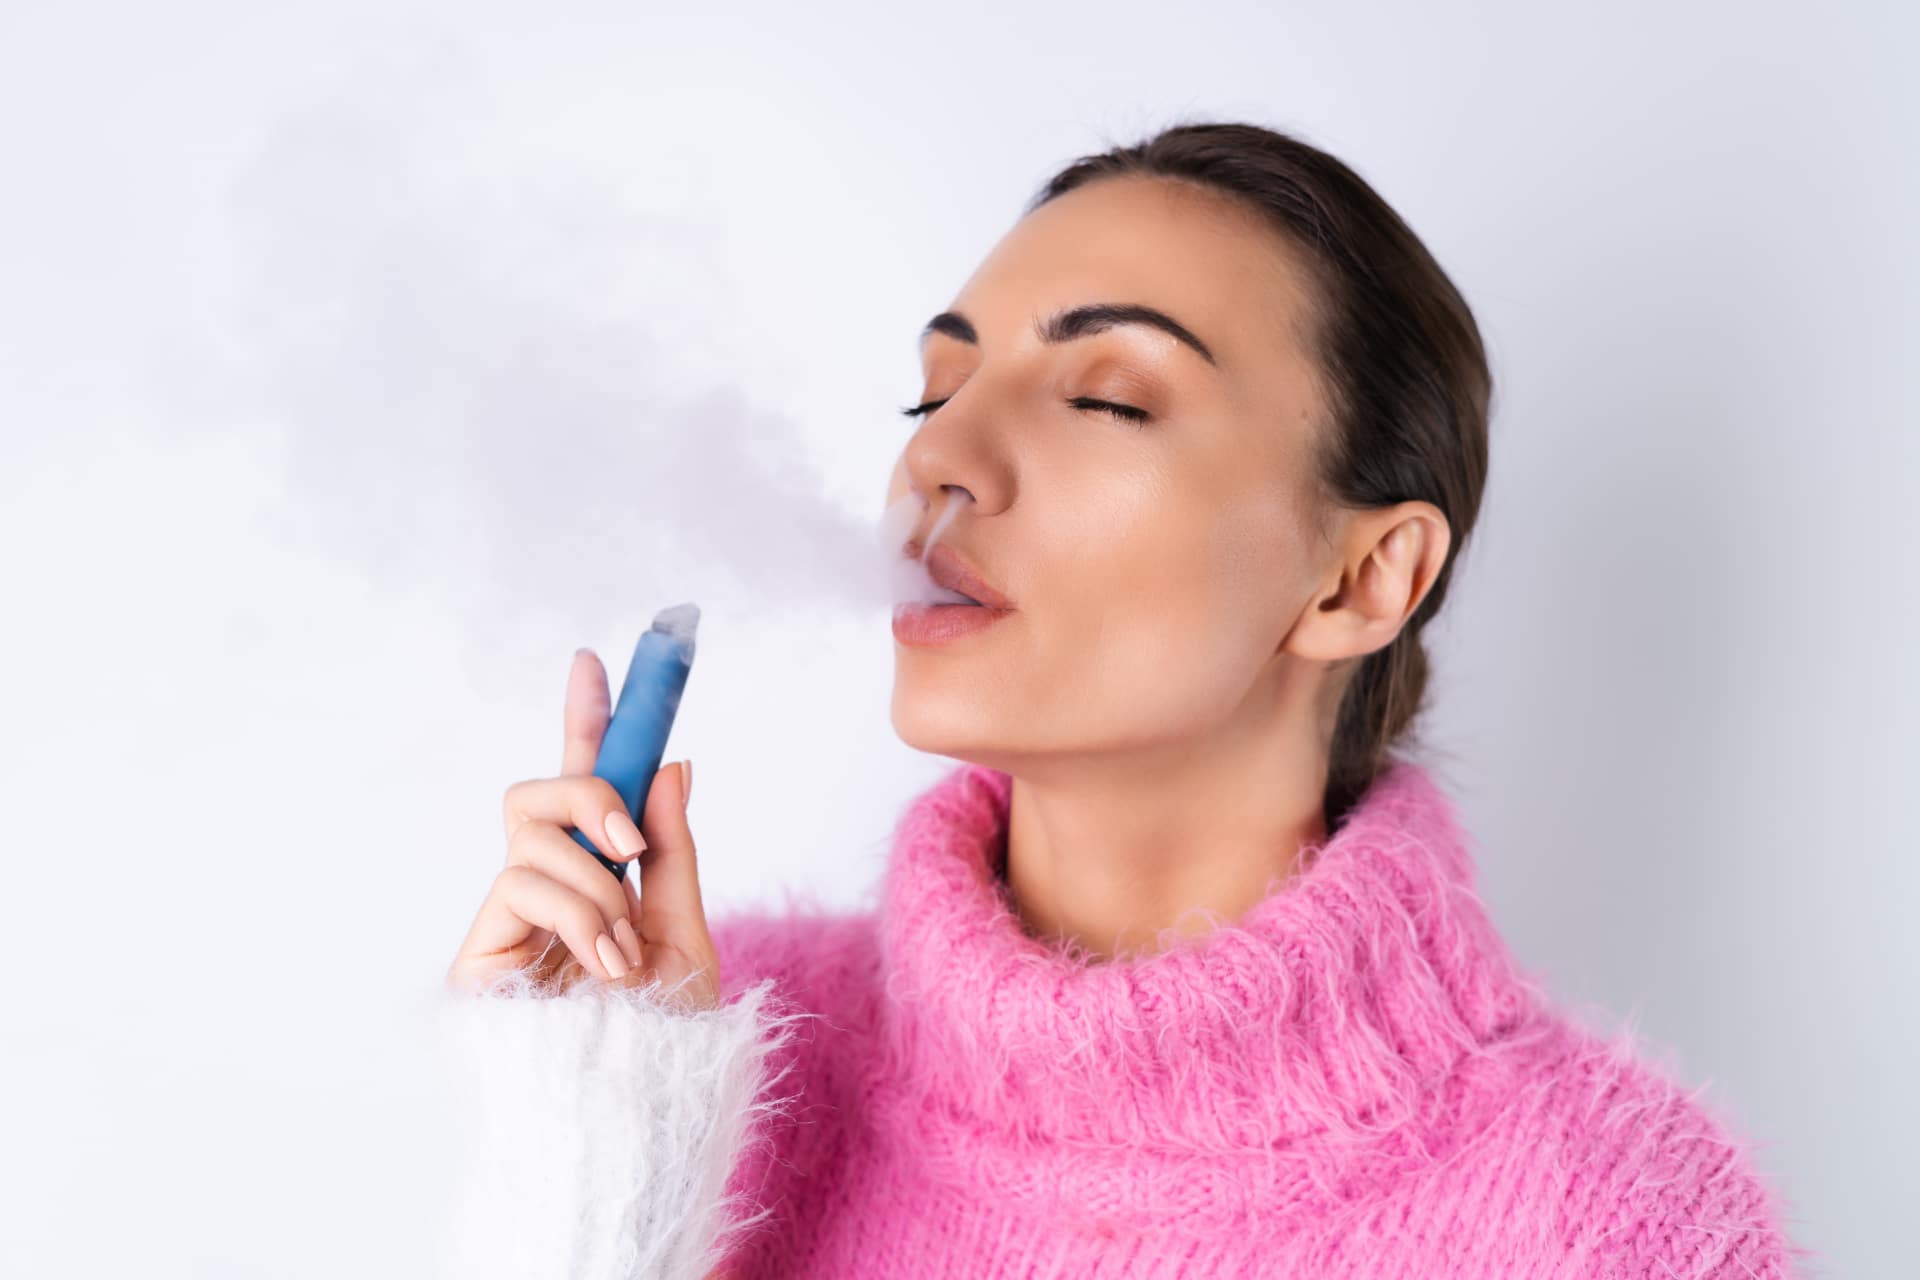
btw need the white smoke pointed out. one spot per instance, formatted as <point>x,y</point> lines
<point>469,377</point>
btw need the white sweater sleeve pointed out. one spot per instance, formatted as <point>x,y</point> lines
<point>602,1126</point>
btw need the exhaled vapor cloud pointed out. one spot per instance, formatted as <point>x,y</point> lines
<point>476,406</point>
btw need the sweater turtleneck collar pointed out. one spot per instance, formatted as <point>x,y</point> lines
<point>1247,1063</point>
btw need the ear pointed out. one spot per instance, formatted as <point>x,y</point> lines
<point>1387,561</point>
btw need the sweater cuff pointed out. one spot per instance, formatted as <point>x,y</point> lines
<point>601,1128</point>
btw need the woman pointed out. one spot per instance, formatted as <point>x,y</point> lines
<point>1182,972</point>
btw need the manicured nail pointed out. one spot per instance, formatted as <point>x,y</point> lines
<point>625,836</point>
<point>610,956</point>
<point>686,782</point>
<point>629,940</point>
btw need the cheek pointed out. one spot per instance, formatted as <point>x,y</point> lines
<point>1162,600</point>
<point>1176,550</point>
<point>1254,553</point>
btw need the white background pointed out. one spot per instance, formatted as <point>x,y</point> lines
<point>356,363</point>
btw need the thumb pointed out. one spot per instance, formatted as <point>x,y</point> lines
<point>670,909</point>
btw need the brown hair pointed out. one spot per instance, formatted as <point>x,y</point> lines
<point>1402,364</point>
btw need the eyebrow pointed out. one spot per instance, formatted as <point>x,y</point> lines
<point>1078,322</point>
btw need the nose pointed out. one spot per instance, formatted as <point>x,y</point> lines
<point>958,454</point>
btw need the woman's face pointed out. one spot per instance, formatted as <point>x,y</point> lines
<point>1155,567</point>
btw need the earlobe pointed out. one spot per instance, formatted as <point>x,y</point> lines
<point>1329,627</point>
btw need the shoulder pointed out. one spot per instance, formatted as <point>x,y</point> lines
<point>817,971</point>
<point>815,968</point>
<point>815,957</point>
<point>1636,1174</point>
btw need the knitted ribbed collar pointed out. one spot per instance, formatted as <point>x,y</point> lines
<point>1235,1070</point>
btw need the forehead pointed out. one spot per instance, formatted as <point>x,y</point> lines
<point>1204,257</point>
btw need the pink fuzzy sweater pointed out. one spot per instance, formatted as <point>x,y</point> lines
<point>1352,1079</point>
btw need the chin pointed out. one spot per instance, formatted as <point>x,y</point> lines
<point>951,721</point>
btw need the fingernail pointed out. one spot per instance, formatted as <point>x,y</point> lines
<point>610,956</point>
<point>625,836</point>
<point>686,782</point>
<point>629,940</point>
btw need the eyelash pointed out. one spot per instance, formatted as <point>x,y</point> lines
<point>1124,412</point>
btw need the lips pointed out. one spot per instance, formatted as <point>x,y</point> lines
<point>951,570</point>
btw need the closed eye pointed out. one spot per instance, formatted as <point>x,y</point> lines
<point>1124,412</point>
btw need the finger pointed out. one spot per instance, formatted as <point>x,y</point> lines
<point>589,707</point>
<point>670,907</point>
<point>523,899</point>
<point>583,802</point>
<point>557,856</point>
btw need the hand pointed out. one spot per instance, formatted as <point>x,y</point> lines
<point>553,910</point>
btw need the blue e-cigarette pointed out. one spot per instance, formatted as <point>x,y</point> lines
<point>636,737</point>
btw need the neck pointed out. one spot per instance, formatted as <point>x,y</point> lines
<point>1113,850</point>
<point>1291,1042</point>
